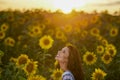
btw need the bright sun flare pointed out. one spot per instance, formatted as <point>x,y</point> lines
<point>68,5</point>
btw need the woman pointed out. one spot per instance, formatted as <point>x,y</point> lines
<point>70,62</point>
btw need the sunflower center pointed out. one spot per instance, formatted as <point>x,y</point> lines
<point>46,41</point>
<point>30,67</point>
<point>113,32</point>
<point>111,51</point>
<point>31,32</point>
<point>107,57</point>
<point>58,74</point>
<point>11,42</point>
<point>90,58</point>
<point>3,27</point>
<point>22,60</point>
<point>1,34</point>
<point>34,78</point>
<point>99,49</point>
<point>95,31</point>
<point>99,76</point>
<point>36,30</point>
<point>59,34</point>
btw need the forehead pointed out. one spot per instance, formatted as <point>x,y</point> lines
<point>65,48</point>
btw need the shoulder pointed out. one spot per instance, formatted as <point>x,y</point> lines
<point>67,76</point>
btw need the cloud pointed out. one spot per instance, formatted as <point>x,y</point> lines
<point>107,4</point>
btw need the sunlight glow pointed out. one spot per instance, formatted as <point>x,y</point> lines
<point>67,6</point>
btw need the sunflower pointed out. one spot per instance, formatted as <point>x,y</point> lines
<point>37,77</point>
<point>46,42</point>
<point>98,74</point>
<point>100,49</point>
<point>42,26</point>
<point>59,34</point>
<point>69,44</point>
<point>94,19</point>
<point>2,34</point>
<point>20,37</point>
<point>9,41</point>
<point>110,48</point>
<point>56,64</point>
<point>25,46</point>
<point>99,37</point>
<point>94,32</point>
<point>12,59</point>
<point>4,27</point>
<point>106,58</point>
<point>22,59</point>
<point>64,39</point>
<point>31,33</point>
<point>104,42</point>
<point>112,51</point>
<point>113,32</point>
<point>50,32</point>
<point>89,58</point>
<point>57,74</point>
<point>31,67</point>
<point>68,28</point>
<point>34,31</point>
<point>84,33</point>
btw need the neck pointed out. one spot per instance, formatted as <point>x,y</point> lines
<point>63,66</point>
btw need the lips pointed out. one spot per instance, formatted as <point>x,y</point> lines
<point>56,57</point>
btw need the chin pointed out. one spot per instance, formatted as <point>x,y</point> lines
<point>56,58</point>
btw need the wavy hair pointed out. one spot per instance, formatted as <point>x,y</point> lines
<point>74,63</point>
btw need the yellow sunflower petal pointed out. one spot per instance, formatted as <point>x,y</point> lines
<point>106,58</point>
<point>2,34</point>
<point>31,67</point>
<point>57,74</point>
<point>89,58</point>
<point>46,42</point>
<point>98,74</point>
<point>37,77</point>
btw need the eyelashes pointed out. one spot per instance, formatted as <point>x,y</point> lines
<point>63,51</point>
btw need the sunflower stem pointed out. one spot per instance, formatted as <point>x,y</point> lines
<point>44,56</point>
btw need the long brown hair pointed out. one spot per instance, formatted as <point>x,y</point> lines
<point>74,63</point>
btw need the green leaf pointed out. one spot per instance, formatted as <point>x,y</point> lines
<point>21,78</point>
<point>1,53</point>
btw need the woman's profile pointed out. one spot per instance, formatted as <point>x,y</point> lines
<point>70,62</point>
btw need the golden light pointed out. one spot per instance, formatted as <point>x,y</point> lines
<point>68,5</point>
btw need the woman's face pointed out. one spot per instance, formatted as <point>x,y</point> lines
<point>62,55</point>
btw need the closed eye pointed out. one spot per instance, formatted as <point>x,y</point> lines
<point>63,51</point>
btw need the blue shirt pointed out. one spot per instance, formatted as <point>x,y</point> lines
<point>67,75</point>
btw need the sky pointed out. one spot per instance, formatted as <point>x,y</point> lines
<point>64,5</point>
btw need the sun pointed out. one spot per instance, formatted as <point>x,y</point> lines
<point>67,6</point>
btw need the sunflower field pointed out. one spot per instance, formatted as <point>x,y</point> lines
<point>30,39</point>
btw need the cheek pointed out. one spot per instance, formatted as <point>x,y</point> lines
<point>63,59</point>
